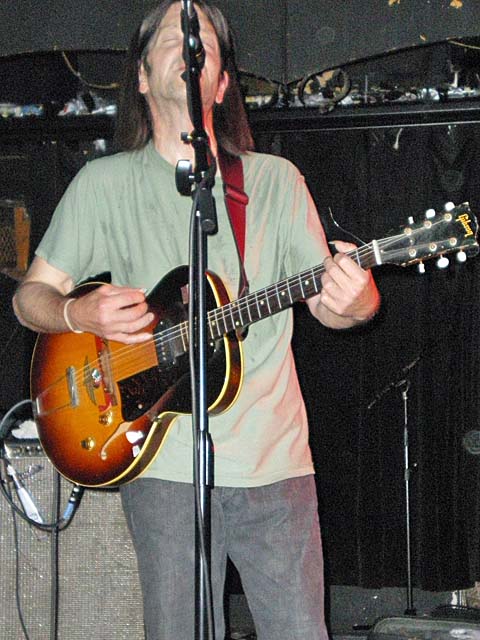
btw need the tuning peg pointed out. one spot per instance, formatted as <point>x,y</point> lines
<point>448,206</point>
<point>461,256</point>
<point>430,213</point>
<point>443,262</point>
<point>410,220</point>
<point>421,267</point>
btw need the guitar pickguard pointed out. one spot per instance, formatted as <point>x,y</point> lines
<point>168,387</point>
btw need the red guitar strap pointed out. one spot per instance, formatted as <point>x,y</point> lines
<point>236,201</point>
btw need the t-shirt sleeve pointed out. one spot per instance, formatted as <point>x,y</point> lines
<point>74,240</point>
<point>306,244</point>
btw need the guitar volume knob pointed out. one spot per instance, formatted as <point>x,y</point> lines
<point>88,443</point>
<point>106,418</point>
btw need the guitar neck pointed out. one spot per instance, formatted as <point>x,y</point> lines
<point>453,230</point>
<point>279,296</point>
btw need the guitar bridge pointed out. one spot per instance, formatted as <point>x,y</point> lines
<point>72,387</point>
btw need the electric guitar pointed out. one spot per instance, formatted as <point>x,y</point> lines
<point>103,409</point>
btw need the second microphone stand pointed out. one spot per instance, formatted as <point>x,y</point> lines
<point>403,383</point>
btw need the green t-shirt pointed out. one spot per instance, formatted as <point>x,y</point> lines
<point>123,214</point>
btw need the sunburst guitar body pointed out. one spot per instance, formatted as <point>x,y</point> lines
<point>104,409</point>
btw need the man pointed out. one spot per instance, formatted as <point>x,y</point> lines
<point>123,214</point>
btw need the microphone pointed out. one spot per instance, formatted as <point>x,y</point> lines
<point>191,30</point>
<point>24,496</point>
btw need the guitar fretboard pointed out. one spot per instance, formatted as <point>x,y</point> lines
<point>276,297</point>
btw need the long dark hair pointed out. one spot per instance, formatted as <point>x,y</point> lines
<point>134,127</point>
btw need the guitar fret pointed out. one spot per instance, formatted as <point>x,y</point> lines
<point>282,297</point>
<point>230,308</point>
<point>227,318</point>
<point>239,322</point>
<point>300,283</point>
<point>248,309</point>
<point>258,305</point>
<point>278,297</point>
<point>300,295</point>
<point>267,298</point>
<point>210,328</point>
<point>183,336</point>
<point>221,328</point>
<point>264,300</point>
<point>222,311</point>
<point>252,305</point>
<point>305,290</point>
<point>212,323</point>
<point>314,280</point>
<point>289,292</point>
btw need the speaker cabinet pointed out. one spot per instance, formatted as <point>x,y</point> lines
<point>98,591</point>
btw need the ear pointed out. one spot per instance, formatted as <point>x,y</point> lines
<point>143,85</point>
<point>222,87</point>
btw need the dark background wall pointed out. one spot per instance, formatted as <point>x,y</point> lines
<point>373,180</point>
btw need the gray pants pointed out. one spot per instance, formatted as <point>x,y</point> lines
<point>272,535</point>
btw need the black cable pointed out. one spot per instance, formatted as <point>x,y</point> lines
<point>54,565</point>
<point>6,424</point>
<point>62,523</point>
<point>54,528</point>
<point>59,523</point>
<point>17,568</point>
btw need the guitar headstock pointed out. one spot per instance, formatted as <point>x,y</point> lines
<point>454,229</point>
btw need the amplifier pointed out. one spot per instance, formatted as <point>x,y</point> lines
<point>98,588</point>
<point>14,237</point>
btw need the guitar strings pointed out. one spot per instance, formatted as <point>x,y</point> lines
<point>126,356</point>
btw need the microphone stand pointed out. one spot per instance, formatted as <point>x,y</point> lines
<point>404,386</point>
<point>403,383</point>
<point>199,184</point>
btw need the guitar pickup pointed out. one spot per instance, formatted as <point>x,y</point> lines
<point>170,347</point>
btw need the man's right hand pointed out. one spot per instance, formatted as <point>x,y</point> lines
<point>116,313</point>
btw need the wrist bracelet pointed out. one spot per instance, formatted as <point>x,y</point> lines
<point>67,319</point>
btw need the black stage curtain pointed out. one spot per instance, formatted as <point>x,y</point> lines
<point>373,180</point>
